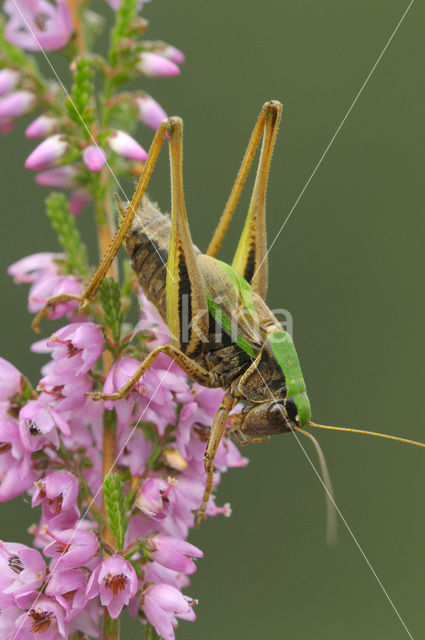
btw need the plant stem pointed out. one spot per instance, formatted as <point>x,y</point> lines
<point>105,229</point>
<point>110,628</point>
<point>74,7</point>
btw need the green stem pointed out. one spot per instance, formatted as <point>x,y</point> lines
<point>110,627</point>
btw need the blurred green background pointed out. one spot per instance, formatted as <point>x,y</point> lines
<point>348,265</point>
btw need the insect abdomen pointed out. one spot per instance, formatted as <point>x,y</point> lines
<point>147,245</point>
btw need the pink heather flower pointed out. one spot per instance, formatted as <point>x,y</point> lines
<point>16,104</point>
<point>8,617</point>
<point>156,498</point>
<point>62,177</point>
<point>37,24</point>
<point>172,53</point>
<point>6,126</point>
<point>9,78</point>
<point>10,380</point>
<point>47,153</point>
<point>153,65</point>
<point>94,158</point>
<point>79,199</point>
<point>85,621</point>
<point>151,322</point>
<point>162,605</point>
<point>44,621</point>
<point>136,450</point>
<point>57,492</point>
<point>80,343</point>
<point>68,587</point>
<point>53,285</point>
<point>16,474</point>
<point>174,553</point>
<point>124,145</point>
<point>41,127</point>
<point>38,423</point>
<point>61,385</point>
<point>116,581</point>
<point>22,572</point>
<point>118,376</point>
<point>71,548</point>
<point>35,266</point>
<point>150,112</point>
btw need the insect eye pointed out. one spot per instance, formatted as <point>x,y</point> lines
<point>277,413</point>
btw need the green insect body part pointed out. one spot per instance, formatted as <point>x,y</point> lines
<point>276,372</point>
<point>286,356</point>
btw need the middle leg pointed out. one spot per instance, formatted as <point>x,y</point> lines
<point>214,439</point>
<point>191,368</point>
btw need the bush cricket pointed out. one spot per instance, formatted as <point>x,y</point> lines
<point>250,357</point>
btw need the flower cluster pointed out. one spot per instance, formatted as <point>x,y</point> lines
<point>51,446</point>
<point>115,484</point>
<point>73,146</point>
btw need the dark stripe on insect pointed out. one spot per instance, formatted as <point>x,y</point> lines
<point>291,408</point>
<point>250,264</point>
<point>185,294</point>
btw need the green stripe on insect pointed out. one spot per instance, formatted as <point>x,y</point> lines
<point>286,356</point>
<point>227,325</point>
<point>242,286</point>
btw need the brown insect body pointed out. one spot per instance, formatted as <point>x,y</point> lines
<point>147,245</point>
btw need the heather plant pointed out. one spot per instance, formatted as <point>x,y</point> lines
<point>113,484</point>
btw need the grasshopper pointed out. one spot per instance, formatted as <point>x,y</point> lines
<point>252,358</point>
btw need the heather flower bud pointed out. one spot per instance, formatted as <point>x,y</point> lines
<point>153,65</point>
<point>61,177</point>
<point>115,580</point>
<point>16,104</point>
<point>79,199</point>
<point>47,153</point>
<point>41,127</point>
<point>9,78</point>
<point>6,126</point>
<point>94,158</point>
<point>172,53</point>
<point>156,498</point>
<point>150,112</point>
<point>174,553</point>
<point>126,146</point>
<point>174,459</point>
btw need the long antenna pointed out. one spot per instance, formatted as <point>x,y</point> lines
<point>366,433</point>
<point>330,500</point>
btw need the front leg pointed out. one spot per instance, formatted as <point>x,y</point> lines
<point>216,433</point>
<point>191,368</point>
<point>127,217</point>
<point>52,302</point>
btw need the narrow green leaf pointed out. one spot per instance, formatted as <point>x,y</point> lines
<point>113,492</point>
<point>68,235</point>
<point>110,299</point>
<point>80,108</point>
